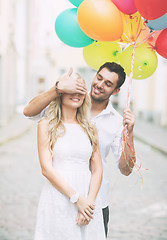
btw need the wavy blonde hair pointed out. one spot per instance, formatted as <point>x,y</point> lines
<point>56,126</point>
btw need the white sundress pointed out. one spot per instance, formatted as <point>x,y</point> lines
<point>56,216</point>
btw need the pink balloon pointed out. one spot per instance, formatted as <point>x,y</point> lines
<point>126,6</point>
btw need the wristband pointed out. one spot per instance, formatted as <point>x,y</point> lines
<point>57,90</point>
<point>74,198</point>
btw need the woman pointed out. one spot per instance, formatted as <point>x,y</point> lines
<point>70,159</point>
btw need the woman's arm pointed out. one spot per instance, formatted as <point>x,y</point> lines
<point>95,181</point>
<point>97,174</point>
<point>45,158</point>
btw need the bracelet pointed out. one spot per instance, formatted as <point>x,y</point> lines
<point>74,198</point>
<point>57,90</point>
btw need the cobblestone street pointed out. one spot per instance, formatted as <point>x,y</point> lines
<point>137,211</point>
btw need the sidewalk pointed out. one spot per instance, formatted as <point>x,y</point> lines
<point>151,134</point>
<point>16,128</point>
<point>147,132</point>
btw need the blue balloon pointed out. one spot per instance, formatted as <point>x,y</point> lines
<point>158,24</point>
<point>69,31</point>
<point>76,2</point>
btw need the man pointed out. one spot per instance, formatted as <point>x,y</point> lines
<point>109,123</point>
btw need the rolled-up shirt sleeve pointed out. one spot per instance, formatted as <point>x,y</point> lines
<point>39,116</point>
<point>117,144</point>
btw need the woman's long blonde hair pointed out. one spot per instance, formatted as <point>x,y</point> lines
<point>56,126</point>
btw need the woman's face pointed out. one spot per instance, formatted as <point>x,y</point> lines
<point>73,100</point>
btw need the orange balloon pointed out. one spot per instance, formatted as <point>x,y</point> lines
<point>132,25</point>
<point>100,20</point>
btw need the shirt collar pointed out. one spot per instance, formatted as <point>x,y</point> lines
<point>108,110</point>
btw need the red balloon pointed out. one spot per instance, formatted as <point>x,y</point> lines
<point>151,9</point>
<point>161,43</point>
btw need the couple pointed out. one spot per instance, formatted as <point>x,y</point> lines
<point>72,150</point>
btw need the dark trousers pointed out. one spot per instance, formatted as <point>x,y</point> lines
<point>106,219</point>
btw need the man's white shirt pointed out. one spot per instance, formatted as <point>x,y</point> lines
<point>109,126</point>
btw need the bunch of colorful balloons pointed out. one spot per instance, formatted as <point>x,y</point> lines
<point>110,30</point>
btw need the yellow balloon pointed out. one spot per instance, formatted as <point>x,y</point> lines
<point>98,53</point>
<point>132,25</point>
<point>145,61</point>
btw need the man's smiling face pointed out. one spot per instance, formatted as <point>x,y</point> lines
<point>104,85</point>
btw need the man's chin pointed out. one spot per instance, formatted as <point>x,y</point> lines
<point>97,98</point>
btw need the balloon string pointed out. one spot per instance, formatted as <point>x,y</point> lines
<point>131,76</point>
<point>128,151</point>
<point>129,36</point>
<point>138,29</point>
<point>128,30</point>
<point>125,145</point>
<point>147,38</point>
<point>132,65</point>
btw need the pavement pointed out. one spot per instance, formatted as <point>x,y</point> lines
<point>151,134</point>
<point>15,128</point>
<point>146,132</point>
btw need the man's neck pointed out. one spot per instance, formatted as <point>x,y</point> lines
<point>97,107</point>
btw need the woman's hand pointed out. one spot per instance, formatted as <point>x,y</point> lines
<point>85,207</point>
<point>81,220</point>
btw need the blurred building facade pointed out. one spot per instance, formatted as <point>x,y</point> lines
<point>7,61</point>
<point>150,99</point>
<point>13,56</point>
<point>32,58</point>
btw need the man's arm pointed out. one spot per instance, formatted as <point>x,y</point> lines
<point>66,84</point>
<point>128,158</point>
<point>38,103</point>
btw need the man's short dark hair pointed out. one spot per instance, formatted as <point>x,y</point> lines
<point>115,67</point>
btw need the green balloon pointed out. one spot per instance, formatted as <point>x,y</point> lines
<point>145,61</point>
<point>76,2</point>
<point>98,53</point>
<point>69,31</point>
